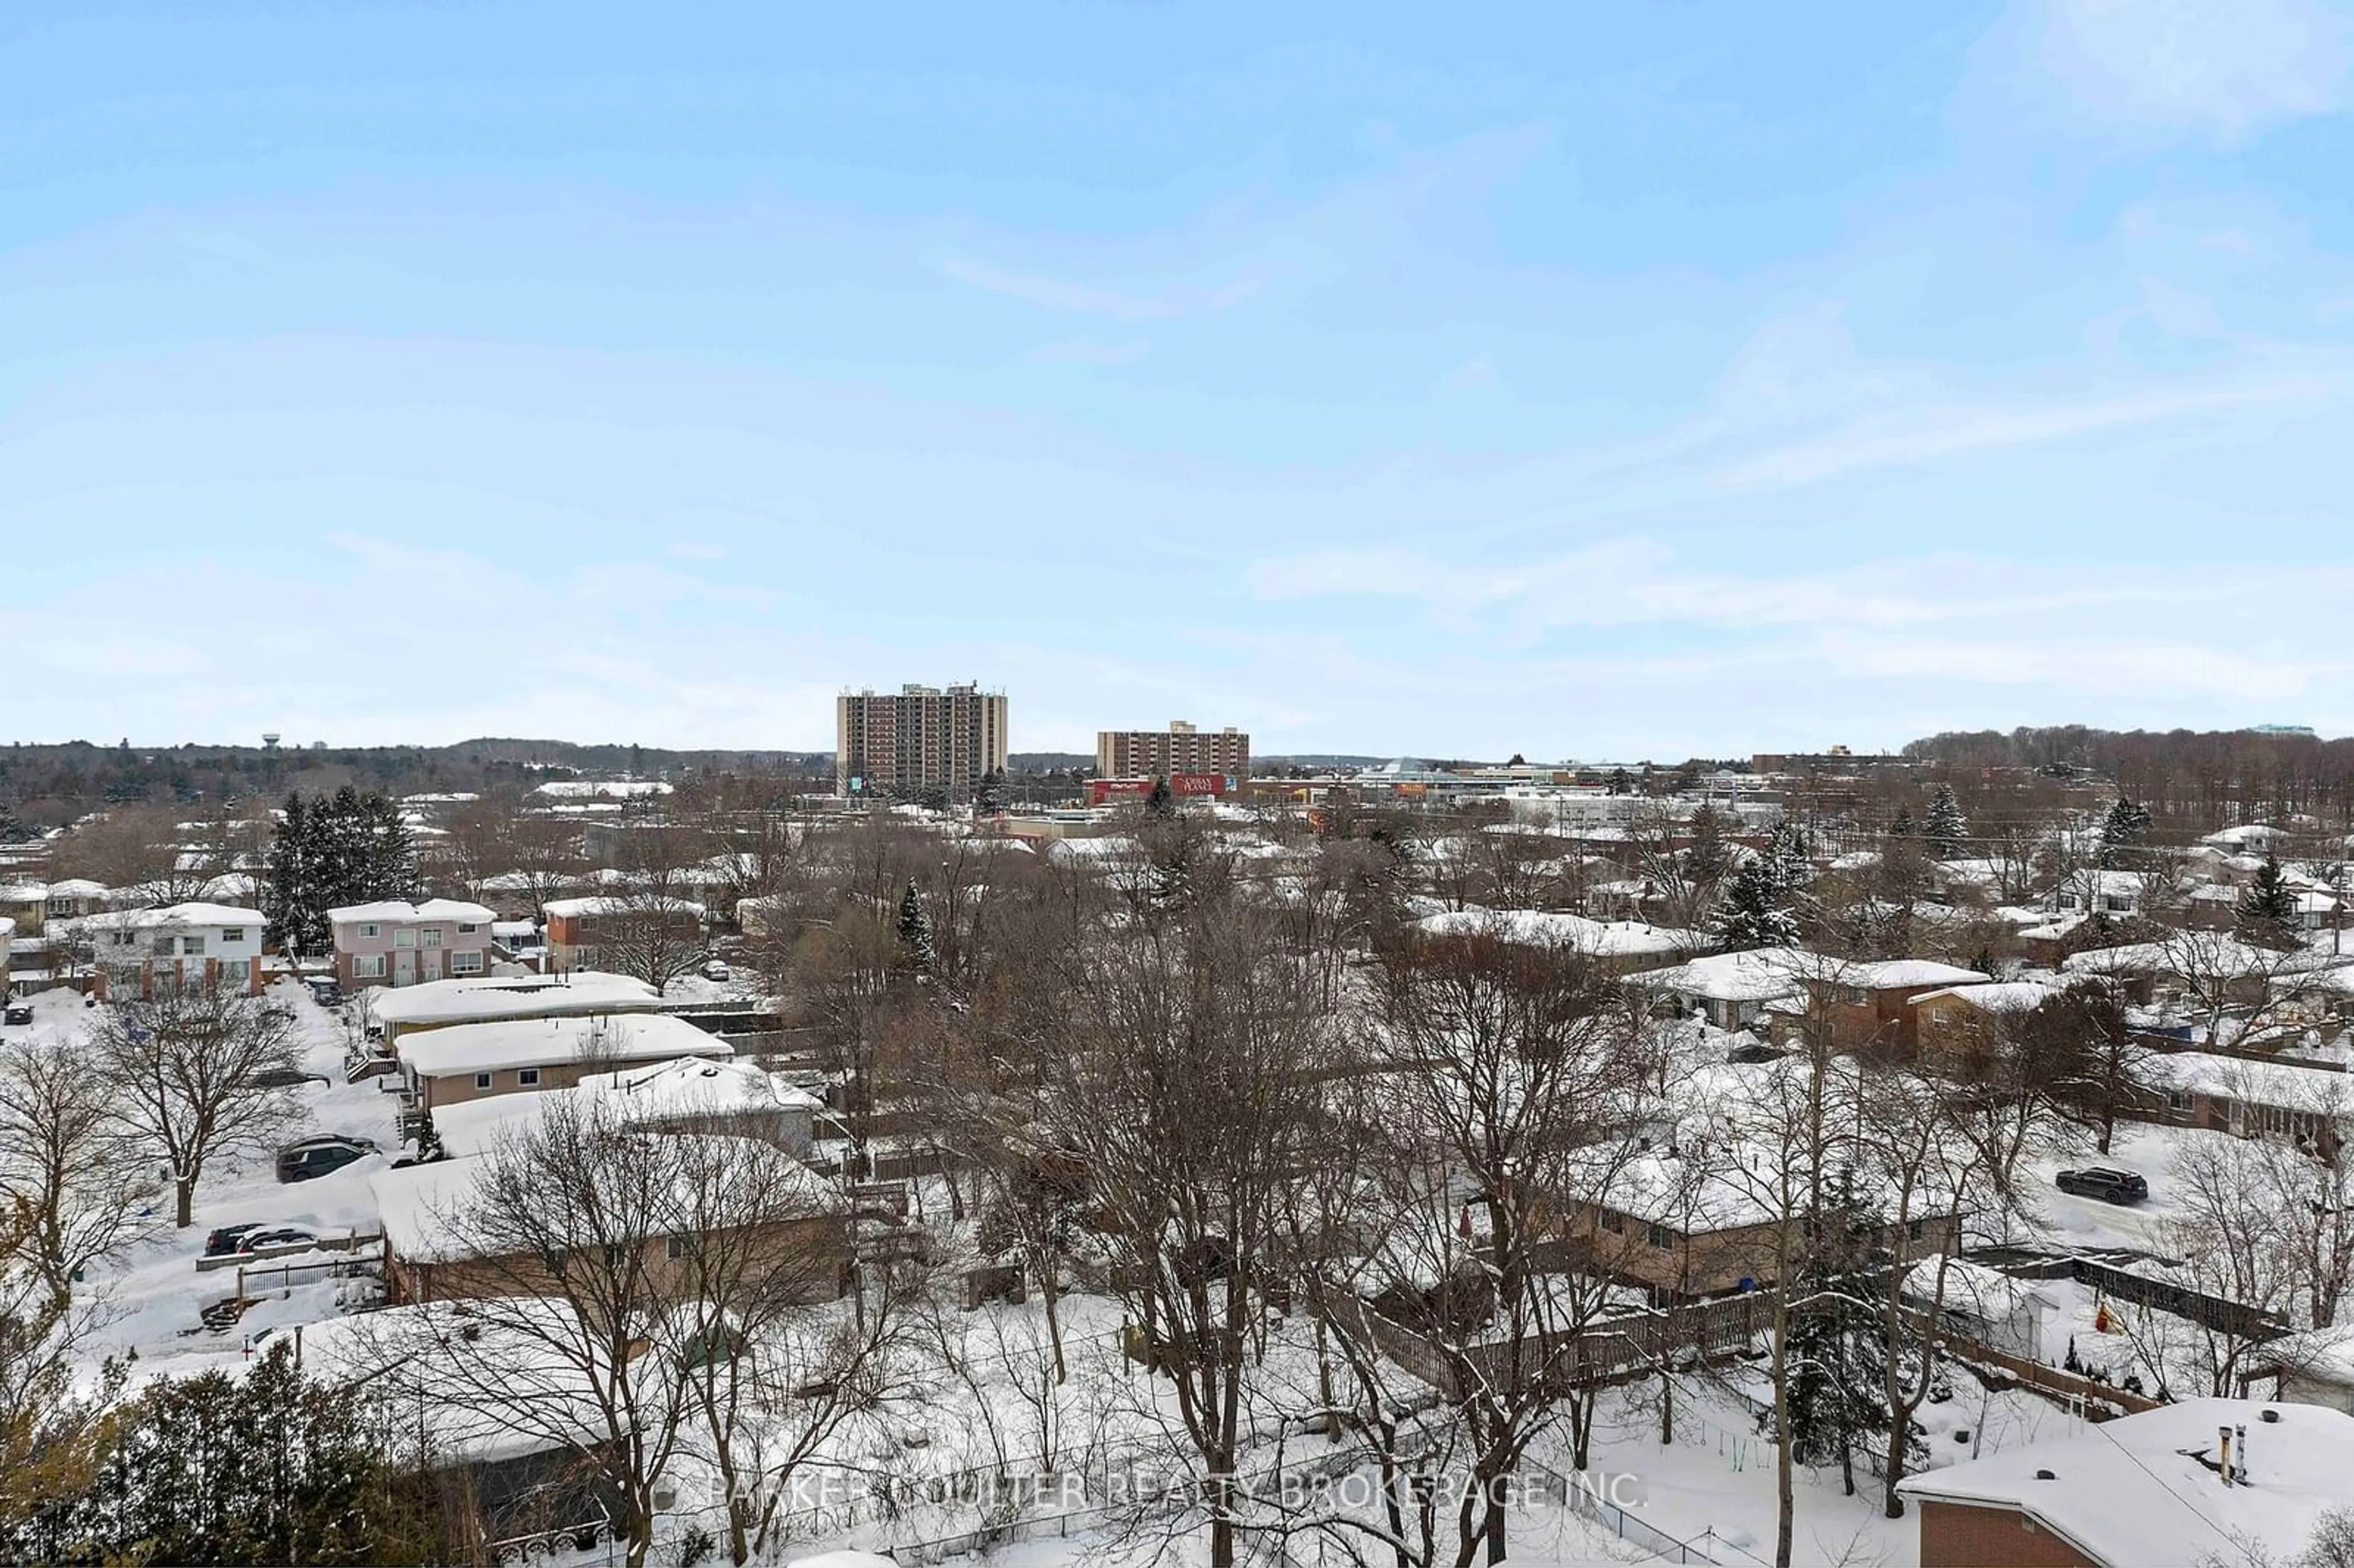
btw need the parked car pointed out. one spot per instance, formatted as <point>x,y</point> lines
<point>2107,1184</point>
<point>16,1013</point>
<point>318,1156</point>
<point>230,1238</point>
<point>276,1235</point>
<point>717,970</point>
<point>286,1078</point>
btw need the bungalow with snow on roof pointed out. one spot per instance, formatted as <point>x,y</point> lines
<point>443,1004</point>
<point>473,1060</point>
<point>1959,1026</point>
<point>2309,1107</point>
<point>447,1238</point>
<point>1688,1227</point>
<point>145,952</point>
<point>1864,1004</point>
<point>2206,1480</point>
<point>26,904</point>
<point>1732,991</point>
<point>393,942</point>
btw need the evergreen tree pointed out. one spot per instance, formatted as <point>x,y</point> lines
<point>1161,802</point>
<point>1705,857</point>
<point>2267,913</point>
<point>988,796</point>
<point>1947,830</point>
<point>2123,832</point>
<point>1837,1398</point>
<point>269,1468</point>
<point>1788,869</point>
<point>331,851</point>
<point>916,930</point>
<point>1755,912</point>
<point>1901,828</point>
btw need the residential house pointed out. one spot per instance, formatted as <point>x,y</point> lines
<point>74,897</point>
<point>2311,1107</point>
<point>472,1061</point>
<point>1865,1004</point>
<point>1618,945</point>
<point>26,904</point>
<point>442,1004</point>
<point>142,952</point>
<point>1732,991</point>
<point>433,1253</point>
<point>2118,893</point>
<point>2201,1480</point>
<point>685,1094</point>
<point>583,932</point>
<point>1956,1026</point>
<point>396,943</point>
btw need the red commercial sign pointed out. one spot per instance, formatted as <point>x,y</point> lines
<point>1102,789</point>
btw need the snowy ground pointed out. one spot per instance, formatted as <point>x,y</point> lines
<point>144,1305</point>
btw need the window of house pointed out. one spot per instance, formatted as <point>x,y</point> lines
<point>555,1259</point>
<point>368,966</point>
<point>528,1077</point>
<point>232,933</point>
<point>1661,1237</point>
<point>1856,996</point>
<point>1913,1229</point>
<point>404,937</point>
<point>370,929</point>
<point>2116,904</point>
<point>2177,1099</point>
<point>432,937</point>
<point>123,939</point>
<point>465,963</point>
<point>467,927</point>
<point>482,1080</point>
<point>1613,1221</point>
<point>161,946</point>
<point>673,1247</point>
<point>193,946</point>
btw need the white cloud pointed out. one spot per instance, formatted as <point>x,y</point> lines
<point>2225,66</point>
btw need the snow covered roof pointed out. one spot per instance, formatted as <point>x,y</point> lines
<point>77,888</point>
<point>180,915</point>
<point>2281,1084</point>
<point>1972,1287</point>
<point>397,909</point>
<point>1996,996</point>
<point>602,789</point>
<point>422,1207</point>
<point>1760,974</point>
<point>2257,835</point>
<point>2141,1489</point>
<point>547,1041</point>
<point>1536,928</point>
<point>2198,953</point>
<point>690,1085</point>
<point>1903,974</point>
<point>575,909</point>
<point>476,1000</point>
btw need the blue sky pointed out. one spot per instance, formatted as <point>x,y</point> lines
<point>1578,380</point>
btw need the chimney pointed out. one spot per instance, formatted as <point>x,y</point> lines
<point>2240,1459</point>
<point>2224,1451</point>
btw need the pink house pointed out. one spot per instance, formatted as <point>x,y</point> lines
<point>398,943</point>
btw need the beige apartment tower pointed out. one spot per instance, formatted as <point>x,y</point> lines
<point>919,739</point>
<point>1166,753</point>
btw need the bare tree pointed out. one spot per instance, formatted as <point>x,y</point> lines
<point>1188,1094</point>
<point>1523,1075</point>
<point>185,1072</point>
<point>74,1182</point>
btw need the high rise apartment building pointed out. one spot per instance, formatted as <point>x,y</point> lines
<point>1165,753</point>
<point>920,739</point>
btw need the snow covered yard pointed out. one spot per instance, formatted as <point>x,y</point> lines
<point>145,1304</point>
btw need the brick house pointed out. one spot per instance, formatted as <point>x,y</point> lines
<point>2202,1480</point>
<point>580,931</point>
<point>1866,1005</point>
<point>396,943</point>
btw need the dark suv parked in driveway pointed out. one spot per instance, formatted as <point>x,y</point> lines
<point>317,1155</point>
<point>2102,1181</point>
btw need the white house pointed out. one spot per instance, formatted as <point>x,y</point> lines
<point>140,952</point>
